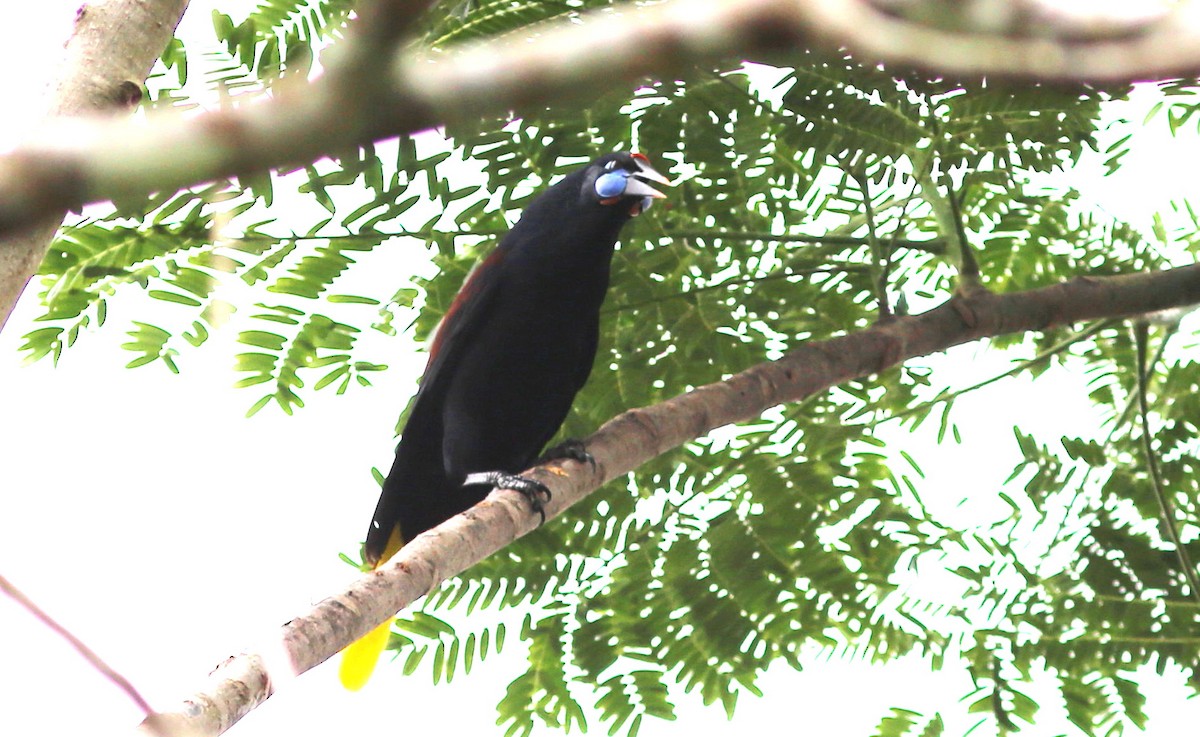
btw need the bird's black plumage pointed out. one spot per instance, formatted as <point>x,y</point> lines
<point>514,348</point>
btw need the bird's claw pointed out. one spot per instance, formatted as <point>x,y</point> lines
<point>536,492</point>
<point>570,449</point>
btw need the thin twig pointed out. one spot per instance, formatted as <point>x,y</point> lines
<point>1141,335</point>
<point>932,245</point>
<point>1131,400</point>
<point>969,266</point>
<point>901,302</point>
<point>1121,419</point>
<point>881,261</point>
<point>1022,366</point>
<point>785,274</point>
<point>91,657</point>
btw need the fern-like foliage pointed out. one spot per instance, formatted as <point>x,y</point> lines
<point>907,723</point>
<point>810,195</point>
<point>280,35</point>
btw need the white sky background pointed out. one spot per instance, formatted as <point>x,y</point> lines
<point>164,565</point>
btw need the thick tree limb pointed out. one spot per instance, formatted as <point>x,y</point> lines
<point>629,440</point>
<point>106,60</point>
<point>72,165</point>
<point>1026,39</point>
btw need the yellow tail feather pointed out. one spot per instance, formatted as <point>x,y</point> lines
<point>358,660</point>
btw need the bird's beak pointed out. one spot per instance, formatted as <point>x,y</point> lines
<point>637,185</point>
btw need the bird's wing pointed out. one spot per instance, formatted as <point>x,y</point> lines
<point>591,341</point>
<point>464,317</point>
<point>421,444</point>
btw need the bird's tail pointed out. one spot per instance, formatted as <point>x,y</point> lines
<point>359,659</point>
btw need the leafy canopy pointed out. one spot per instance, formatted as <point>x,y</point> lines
<point>813,191</point>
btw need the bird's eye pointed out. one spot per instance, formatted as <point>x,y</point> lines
<point>610,166</point>
<point>611,184</point>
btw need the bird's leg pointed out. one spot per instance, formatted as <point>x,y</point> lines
<point>569,449</point>
<point>532,490</point>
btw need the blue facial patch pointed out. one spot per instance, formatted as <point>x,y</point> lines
<point>611,184</point>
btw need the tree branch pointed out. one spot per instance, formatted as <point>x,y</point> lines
<point>1028,39</point>
<point>111,50</point>
<point>69,167</point>
<point>66,168</point>
<point>629,440</point>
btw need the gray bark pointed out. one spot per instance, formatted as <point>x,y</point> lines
<point>110,51</point>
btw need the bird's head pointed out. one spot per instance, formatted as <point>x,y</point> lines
<point>621,180</point>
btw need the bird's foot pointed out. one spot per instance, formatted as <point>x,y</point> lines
<point>536,492</point>
<point>569,449</point>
